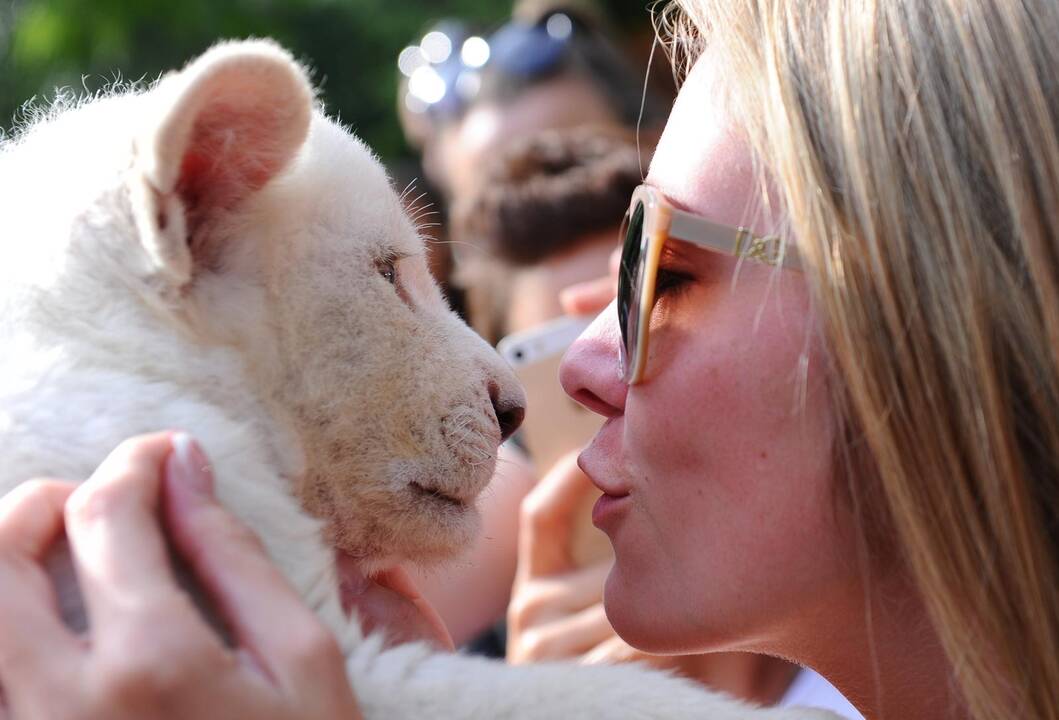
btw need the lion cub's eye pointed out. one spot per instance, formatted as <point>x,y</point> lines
<point>387,269</point>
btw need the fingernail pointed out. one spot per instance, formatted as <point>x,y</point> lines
<point>188,465</point>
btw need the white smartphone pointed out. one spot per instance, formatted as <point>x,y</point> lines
<point>543,341</point>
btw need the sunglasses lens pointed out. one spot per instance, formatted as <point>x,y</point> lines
<point>629,282</point>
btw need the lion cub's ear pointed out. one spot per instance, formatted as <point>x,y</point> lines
<point>215,133</point>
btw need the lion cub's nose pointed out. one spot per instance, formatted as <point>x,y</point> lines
<point>509,413</point>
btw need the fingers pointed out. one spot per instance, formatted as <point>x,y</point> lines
<point>563,639</point>
<point>35,645</point>
<point>558,617</point>
<point>149,644</point>
<point>117,544</point>
<point>546,599</point>
<point>556,610</point>
<point>548,516</point>
<point>248,590</point>
<point>173,665</point>
<point>31,516</point>
<point>614,650</point>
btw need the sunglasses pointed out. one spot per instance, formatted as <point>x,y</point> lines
<point>650,222</point>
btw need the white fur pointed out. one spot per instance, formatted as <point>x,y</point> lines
<point>205,255</point>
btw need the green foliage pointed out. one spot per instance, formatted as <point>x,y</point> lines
<point>352,45</point>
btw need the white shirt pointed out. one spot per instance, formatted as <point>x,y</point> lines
<point>812,691</point>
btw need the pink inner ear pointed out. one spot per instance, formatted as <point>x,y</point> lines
<point>233,152</point>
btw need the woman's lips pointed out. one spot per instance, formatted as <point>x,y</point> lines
<point>616,492</point>
<point>609,483</point>
<point>608,508</point>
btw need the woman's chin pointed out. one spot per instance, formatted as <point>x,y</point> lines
<point>650,621</point>
<point>631,611</point>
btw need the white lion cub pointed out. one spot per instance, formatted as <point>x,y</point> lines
<point>214,254</point>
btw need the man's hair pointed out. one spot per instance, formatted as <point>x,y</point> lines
<point>548,192</point>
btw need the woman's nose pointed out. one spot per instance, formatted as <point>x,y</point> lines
<point>589,371</point>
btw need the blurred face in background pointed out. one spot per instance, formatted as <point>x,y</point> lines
<point>462,147</point>
<point>534,297</point>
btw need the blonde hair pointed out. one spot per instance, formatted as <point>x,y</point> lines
<point>916,146</point>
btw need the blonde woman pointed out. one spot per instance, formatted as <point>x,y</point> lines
<point>835,433</point>
<point>842,447</point>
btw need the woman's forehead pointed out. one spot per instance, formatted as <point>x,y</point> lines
<point>703,161</point>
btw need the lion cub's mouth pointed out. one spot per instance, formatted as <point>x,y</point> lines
<point>438,495</point>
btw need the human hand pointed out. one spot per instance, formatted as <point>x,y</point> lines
<point>149,654</point>
<point>556,610</point>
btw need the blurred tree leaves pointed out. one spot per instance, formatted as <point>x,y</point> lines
<point>351,45</point>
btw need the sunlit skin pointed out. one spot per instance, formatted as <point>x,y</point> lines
<point>727,469</point>
<point>732,534</point>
